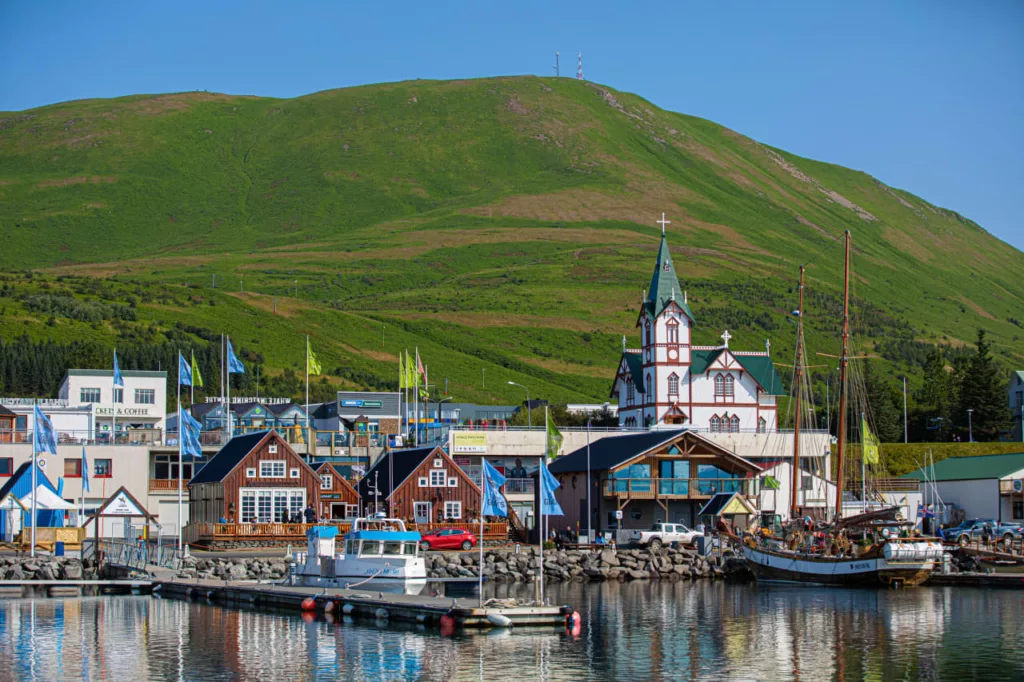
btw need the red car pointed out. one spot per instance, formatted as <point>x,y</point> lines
<point>448,538</point>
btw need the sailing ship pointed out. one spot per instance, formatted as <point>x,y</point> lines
<point>378,554</point>
<point>829,557</point>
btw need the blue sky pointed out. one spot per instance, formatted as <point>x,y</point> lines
<point>926,95</point>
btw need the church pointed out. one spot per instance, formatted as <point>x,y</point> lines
<point>669,381</point>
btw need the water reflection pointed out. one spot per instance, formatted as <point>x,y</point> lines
<point>633,631</point>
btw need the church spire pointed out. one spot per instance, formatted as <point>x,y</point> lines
<point>664,282</point>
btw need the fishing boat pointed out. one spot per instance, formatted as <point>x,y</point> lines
<point>825,555</point>
<point>378,554</point>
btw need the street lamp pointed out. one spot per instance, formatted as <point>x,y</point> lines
<point>970,426</point>
<point>529,417</point>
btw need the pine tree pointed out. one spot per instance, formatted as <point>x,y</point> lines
<point>983,392</point>
<point>884,415</point>
<point>935,399</point>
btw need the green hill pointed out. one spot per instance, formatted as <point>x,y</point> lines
<point>503,226</point>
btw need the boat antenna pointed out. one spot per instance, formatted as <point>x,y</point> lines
<point>799,369</point>
<point>843,361</point>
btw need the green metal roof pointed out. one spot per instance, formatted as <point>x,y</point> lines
<point>665,285</point>
<point>973,468</point>
<point>110,373</point>
<point>636,367</point>
<point>760,367</point>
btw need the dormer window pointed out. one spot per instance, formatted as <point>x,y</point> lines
<point>673,332</point>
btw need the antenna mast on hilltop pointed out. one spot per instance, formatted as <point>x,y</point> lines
<point>579,66</point>
<point>556,64</point>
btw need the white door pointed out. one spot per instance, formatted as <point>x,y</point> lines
<point>421,510</point>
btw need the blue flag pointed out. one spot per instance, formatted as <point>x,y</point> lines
<point>189,428</point>
<point>548,485</point>
<point>494,502</point>
<point>184,371</point>
<point>85,471</point>
<point>118,379</point>
<point>45,438</point>
<point>235,365</point>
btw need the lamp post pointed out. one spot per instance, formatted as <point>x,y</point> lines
<point>970,426</point>
<point>590,509</point>
<point>529,416</point>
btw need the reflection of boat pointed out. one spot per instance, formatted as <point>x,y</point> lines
<point>378,553</point>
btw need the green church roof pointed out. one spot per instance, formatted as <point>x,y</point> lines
<point>636,368</point>
<point>760,367</point>
<point>665,285</point>
<point>973,468</point>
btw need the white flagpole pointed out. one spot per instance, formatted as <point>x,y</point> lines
<point>181,434</point>
<point>222,403</point>
<point>35,476</point>
<point>227,383</point>
<point>113,400</point>
<point>85,472</point>
<point>480,540</point>
<point>192,396</point>
<point>308,439</point>
<point>540,482</point>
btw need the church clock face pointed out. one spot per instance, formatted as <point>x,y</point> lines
<point>673,354</point>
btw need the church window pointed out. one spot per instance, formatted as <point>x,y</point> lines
<point>719,385</point>
<point>716,424</point>
<point>673,332</point>
<point>629,391</point>
<point>730,386</point>
<point>734,424</point>
<point>673,385</point>
<point>650,393</point>
<point>762,425</point>
<point>649,336</point>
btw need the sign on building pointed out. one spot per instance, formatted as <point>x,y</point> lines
<point>463,441</point>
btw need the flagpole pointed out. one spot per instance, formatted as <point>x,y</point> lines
<point>181,433</point>
<point>113,401</point>
<point>863,467</point>
<point>192,388</point>
<point>85,473</point>
<point>227,383</point>
<point>222,404</point>
<point>483,484</point>
<point>307,399</point>
<point>540,481</point>
<point>35,475</point>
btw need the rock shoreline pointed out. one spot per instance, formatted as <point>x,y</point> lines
<point>47,568</point>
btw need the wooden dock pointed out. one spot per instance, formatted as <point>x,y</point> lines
<point>367,603</point>
<point>1013,581</point>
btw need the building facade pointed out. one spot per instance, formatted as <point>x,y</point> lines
<point>670,381</point>
<point>140,405</point>
<point>338,499</point>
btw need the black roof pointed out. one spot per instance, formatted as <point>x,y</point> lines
<point>200,409</point>
<point>395,466</point>
<point>228,457</point>
<point>5,412</point>
<point>278,408</point>
<point>611,451</point>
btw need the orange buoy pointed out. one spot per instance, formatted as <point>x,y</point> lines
<point>447,626</point>
<point>309,604</point>
<point>577,624</point>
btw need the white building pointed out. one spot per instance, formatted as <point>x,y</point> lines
<point>73,423</point>
<point>985,487</point>
<point>669,381</point>
<point>141,405</point>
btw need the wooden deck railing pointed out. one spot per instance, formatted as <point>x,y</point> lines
<point>226,532</point>
<point>162,484</point>
<point>678,488</point>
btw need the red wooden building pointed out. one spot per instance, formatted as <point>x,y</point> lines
<point>338,499</point>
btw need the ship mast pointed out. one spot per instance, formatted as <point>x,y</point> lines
<point>794,511</point>
<point>843,360</point>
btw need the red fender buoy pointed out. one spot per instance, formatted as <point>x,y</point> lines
<point>308,617</point>
<point>447,626</point>
<point>309,604</point>
<point>328,606</point>
<point>577,624</point>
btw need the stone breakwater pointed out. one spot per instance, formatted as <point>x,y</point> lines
<point>47,568</point>
<point>249,568</point>
<point>580,566</point>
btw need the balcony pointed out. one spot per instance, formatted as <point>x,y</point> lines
<point>1011,487</point>
<point>678,488</point>
<point>165,485</point>
<point>519,486</point>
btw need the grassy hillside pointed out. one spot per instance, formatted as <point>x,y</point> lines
<point>503,225</point>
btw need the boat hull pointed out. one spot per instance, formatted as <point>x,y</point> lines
<point>873,571</point>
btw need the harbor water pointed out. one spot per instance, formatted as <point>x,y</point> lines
<point>630,631</point>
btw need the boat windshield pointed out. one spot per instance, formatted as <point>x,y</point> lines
<point>370,547</point>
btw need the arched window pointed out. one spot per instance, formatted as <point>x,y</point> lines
<point>650,393</point>
<point>673,331</point>
<point>716,424</point>
<point>730,386</point>
<point>762,425</point>
<point>629,390</point>
<point>719,385</point>
<point>648,333</point>
<point>673,385</point>
<point>734,424</point>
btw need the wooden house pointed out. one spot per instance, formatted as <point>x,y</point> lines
<point>338,499</point>
<point>255,478</point>
<point>421,484</point>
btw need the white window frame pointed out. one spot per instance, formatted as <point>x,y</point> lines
<point>250,472</point>
<point>719,386</point>
<point>438,463</point>
<point>271,465</point>
<point>424,482</point>
<point>326,481</point>
<point>296,501</point>
<point>272,449</point>
<point>438,478</point>
<point>455,506</point>
<point>453,482</point>
<point>145,396</point>
<point>118,395</point>
<point>293,472</point>
<point>92,392</point>
<point>673,385</point>
<point>673,332</point>
<point>730,386</point>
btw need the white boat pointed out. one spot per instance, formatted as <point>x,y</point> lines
<point>377,554</point>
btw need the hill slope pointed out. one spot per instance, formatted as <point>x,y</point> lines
<point>504,223</point>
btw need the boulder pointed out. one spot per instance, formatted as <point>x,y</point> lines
<point>608,557</point>
<point>72,570</point>
<point>14,573</point>
<point>237,572</point>
<point>637,575</point>
<point>46,572</point>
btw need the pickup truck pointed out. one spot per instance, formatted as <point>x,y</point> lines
<point>663,534</point>
<point>974,529</point>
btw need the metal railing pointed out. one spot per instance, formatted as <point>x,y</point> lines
<point>519,486</point>
<point>196,532</point>
<point>649,488</point>
<point>135,554</point>
<point>135,437</point>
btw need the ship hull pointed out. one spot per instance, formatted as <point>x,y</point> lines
<point>870,571</point>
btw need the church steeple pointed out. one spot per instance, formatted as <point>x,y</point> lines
<point>664,283</point>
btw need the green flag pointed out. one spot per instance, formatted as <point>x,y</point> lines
<point>554,436</point>
<point>409,377</point>
<point>771,483</point>
<point>197,378</point>
<point>314,364</point>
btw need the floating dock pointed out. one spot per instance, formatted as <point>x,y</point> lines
<point>367,603</point>
<point>1001,580</point>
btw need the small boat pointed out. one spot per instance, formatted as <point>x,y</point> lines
<point>378,554</point>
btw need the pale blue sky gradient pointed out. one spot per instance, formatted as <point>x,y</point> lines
<point>926,95</point>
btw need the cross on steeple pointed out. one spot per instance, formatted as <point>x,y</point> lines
<point>768,346</point>
<point>663,223</point>
<point>725,337</point>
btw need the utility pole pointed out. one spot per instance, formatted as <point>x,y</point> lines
<point>483,378</point>
<point>970,426</point>
<point>382,328</point>
<point>214,276</point>
<point>906,430</point>
<point>556,63</point>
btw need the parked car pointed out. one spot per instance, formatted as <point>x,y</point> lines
<point>975,529</point>
<point>663,534</point>
<point>448,538</point>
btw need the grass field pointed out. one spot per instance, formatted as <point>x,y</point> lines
<point>504,226</point>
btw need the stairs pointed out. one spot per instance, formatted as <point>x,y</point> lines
<point>516,530</point>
